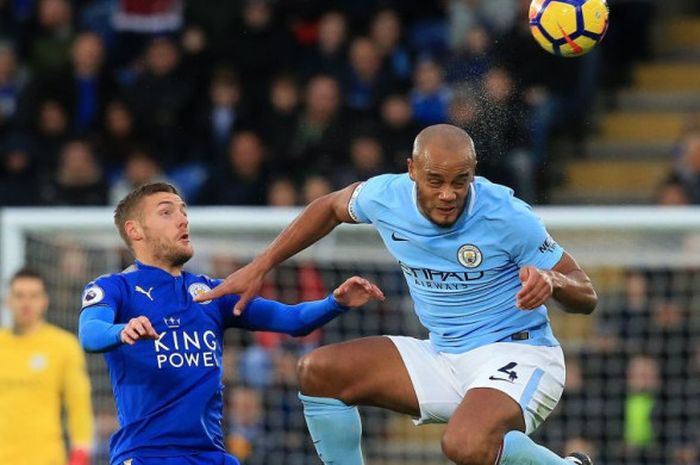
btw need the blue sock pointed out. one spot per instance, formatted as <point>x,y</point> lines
<point>335,428</point>
<point>521,450</point>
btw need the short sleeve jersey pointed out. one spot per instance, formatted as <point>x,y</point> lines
<point>464,278</point>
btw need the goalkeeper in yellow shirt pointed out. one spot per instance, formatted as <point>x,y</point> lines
<point>42,370</point>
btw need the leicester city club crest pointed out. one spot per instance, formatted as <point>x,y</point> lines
<point>196,289</point>
<point>469,256</point>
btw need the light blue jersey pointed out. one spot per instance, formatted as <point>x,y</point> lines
<point>463,278</point>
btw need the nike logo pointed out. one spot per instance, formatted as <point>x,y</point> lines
<point>493,378</point>
<point>574,46</point>
<point>146,293</point>
<point>397,238</point>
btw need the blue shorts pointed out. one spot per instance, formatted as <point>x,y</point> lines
<point>201,458</point>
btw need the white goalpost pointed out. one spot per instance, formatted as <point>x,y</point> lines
<point>95,225</point>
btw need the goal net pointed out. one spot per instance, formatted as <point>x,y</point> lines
<point>633,381</point>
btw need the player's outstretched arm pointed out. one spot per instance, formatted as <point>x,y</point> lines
<point>316,221</point>
<point>301,319</point>
<point>98,333</point>
<point>566,282</point>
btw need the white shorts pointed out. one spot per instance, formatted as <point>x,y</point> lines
<point>531,375</point>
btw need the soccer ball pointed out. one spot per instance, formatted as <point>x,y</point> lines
<point>568,28</point>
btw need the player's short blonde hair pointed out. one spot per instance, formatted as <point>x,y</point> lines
<point>127,208</point>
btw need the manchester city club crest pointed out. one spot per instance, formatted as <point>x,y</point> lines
<point>469,256</point>
<point>196,289</point>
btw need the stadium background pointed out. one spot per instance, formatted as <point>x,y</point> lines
<point>263,103</point>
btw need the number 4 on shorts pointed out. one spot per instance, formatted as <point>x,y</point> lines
<point>508,370</point>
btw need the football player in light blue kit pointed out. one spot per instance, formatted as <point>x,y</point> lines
<point>479,265</point>
<point>164,350</point>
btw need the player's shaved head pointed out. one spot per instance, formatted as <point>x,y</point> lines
<point>447,137</point>
<point>128,207</point>
<point>442,166</point>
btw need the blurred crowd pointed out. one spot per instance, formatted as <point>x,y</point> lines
<point>682,186</point>
<point>262,102</point>
<point>631,391</point>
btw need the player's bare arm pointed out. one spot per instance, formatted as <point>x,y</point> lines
<point>318,219</point>
<point>138,328</point>
<point>566,282</point>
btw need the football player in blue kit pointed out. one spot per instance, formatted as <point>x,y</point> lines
<point>479,265</point>
<point>164,350</point>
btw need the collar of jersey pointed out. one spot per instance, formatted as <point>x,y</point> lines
<point>143,267</point>
<point>471,201</point>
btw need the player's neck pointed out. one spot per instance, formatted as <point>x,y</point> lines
<point>29,328</point>
<point>175,270</point>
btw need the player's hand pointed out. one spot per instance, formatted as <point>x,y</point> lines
<point>138,328</point>
<point>246,282</point>
<point>538,286</point>
<point>356,291</point>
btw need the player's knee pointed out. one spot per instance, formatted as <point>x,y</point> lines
<point>311,371</point>
<point>466,449</point>
<point>320,375</point>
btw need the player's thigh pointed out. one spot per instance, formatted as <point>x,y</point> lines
<point>532,376</point>
<point>475,432</point>
<point>366,371</point>
<point>511,387</point>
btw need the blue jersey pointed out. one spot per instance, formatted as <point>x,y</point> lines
<point>463,279</point>
<point>168,392</point>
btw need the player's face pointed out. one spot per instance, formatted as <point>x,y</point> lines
<point>442,183</point>
<point>27,301</point>
<point>166,230</point>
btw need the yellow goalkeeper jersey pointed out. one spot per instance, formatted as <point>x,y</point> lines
<point>40,373</point>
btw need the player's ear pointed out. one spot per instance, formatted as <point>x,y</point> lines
<point>133,230</point>
<point>411,169</point>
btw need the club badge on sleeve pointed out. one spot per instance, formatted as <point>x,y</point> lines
<point>92,295</point>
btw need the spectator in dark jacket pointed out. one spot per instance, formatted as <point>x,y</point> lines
<point>328,55</point>
<point>84,87</point>
<point>279,120</point>
<point>161,99</point>
<point>18,177</point>
<point>319,141</point>
<point>221,114</point>
<point>78,181</point>
<point>243,181</point>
